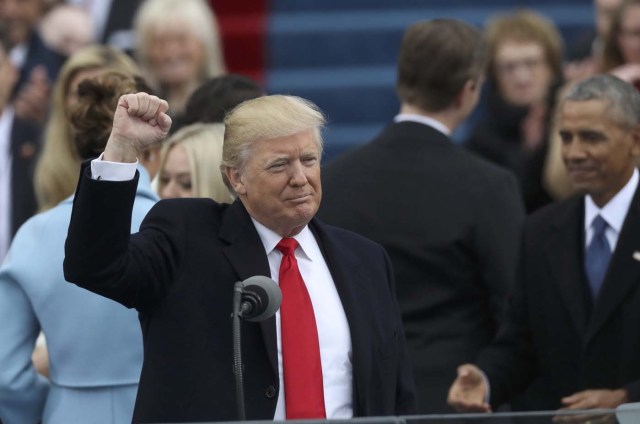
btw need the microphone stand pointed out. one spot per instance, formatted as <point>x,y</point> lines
<point>237,350</point>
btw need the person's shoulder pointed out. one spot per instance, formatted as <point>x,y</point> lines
<point>347,237</point>
<point>480,167</point>
<point>189,207</point>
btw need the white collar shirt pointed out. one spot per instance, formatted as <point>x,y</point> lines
<point>425,120</point>
<point>614,212</point>
<point>333,329</point>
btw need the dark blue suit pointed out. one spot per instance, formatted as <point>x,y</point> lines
<point>24,146</point>
<point>553,330</point>
<point>179,272</point>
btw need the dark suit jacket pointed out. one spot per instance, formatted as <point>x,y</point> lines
<point>119,21</point>
<point>553,331</point>
<point>179,272</point>
<point>25,142</point>
<point>450,223</point>
<point>39,54</point>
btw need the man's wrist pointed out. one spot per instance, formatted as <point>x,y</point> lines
<point>120,152</point>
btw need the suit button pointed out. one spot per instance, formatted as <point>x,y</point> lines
<point>271,392</point>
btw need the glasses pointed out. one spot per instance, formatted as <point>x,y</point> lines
<point>511,66</point>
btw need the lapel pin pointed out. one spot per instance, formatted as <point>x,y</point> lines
<point>636,255</point>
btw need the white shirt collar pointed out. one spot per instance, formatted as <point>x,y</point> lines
<point>425,120</point>
<point>304,238</point>
<point>615,211</point>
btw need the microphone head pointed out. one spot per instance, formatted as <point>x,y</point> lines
<point>264,294</point>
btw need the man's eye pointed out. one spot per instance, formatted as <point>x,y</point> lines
<point>276,166</point>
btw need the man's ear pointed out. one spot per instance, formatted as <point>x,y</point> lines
<point>235,179</point>
<point>635,139</point>
<point>465,92</point>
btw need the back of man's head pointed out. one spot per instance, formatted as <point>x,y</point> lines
<point>436,59</point>
<point>219,95</point>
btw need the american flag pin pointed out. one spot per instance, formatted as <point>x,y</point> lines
<point>636,255</point>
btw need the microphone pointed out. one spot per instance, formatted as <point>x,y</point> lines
<point>261,298</point>
<point>254,299</point>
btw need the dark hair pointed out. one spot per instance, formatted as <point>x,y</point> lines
<point>217,96</point>
<point>92,116</point>
<point>436,59</point>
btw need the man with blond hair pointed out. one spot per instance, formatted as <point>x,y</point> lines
<point>334,350</point>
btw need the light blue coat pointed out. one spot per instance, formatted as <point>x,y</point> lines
<point>94,344</point>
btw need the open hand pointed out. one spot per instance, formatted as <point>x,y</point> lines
<point>468,393</point>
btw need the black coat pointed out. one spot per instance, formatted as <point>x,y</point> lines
<point>554,331</point>
<point>450,223</point>
<point>179,272</point>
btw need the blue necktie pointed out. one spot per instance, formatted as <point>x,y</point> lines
<point>597,256</point>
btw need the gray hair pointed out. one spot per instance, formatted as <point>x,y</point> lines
<point>266,118</point>
<point>623,98</point>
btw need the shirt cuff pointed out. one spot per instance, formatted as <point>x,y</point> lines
<point>487,398</point>
<point>112,171</point>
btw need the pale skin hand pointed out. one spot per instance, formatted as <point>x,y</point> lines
<point>140,121</point>
<point>468,393</point>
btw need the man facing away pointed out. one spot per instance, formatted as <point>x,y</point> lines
<point>449,221</point>
<point>335,349</point>
<point>574,318</point>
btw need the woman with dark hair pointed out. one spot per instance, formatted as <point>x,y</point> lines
<point>94,344</point>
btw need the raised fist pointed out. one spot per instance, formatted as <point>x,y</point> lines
<point>140,121</point>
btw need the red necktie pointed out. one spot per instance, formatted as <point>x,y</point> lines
<point>302,368</point>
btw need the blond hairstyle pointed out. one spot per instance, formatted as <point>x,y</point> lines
<point>203,144</point>
<point>57,169</point>
<point>265,118</point>
<point>526,26</point>
<point>199,19</point>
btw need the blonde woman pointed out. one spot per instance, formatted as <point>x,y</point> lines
<point>190,164</point>
<point>57,169</point>
<point>178,46</point>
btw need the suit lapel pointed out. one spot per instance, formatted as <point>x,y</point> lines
<point>344,268</point>
<point>246,254</point>
<point>565,255</point>
<point>623,273</point>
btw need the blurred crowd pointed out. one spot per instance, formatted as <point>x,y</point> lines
<point>452,225</point>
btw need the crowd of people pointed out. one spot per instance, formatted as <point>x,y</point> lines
<point>139,181</point>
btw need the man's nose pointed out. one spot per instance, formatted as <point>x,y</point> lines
<point>298,176</point>
<point>573,151</point>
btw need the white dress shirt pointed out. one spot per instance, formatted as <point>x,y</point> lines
<point>425,120</point>
<point>6,120</point>
<point>334,335</point>
<point>333,330</point>
<point>614,212</point>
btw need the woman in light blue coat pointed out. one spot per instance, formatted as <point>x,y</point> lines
<point>94,344</point>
